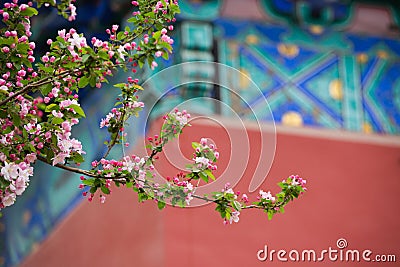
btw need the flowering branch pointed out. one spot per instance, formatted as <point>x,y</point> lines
<point>39,105</point>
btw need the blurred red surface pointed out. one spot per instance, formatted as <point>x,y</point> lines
<point>352,194</point>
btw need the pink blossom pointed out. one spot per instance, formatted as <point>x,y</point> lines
<point>77,41</point>
<point>73,14</point>
<point>22,7</point>
<point>22,39</point>
<point>6,16</point>
<point>8,199</point>
<point>61,33</point>
<point>20,186</point>
<point>9,171</point>
<point>30,158</point>
<point>234,217</point>
<point>66,103</point>
<point>21,73</point>
<point>60,158</point>
<point>203,141</point>
<point>267,195</point>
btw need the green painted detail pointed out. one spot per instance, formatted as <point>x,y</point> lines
<point>195,55</point>
<point>197,35</point>
<point>205,10</point>
<point>310,108</point>
<point>303,15</point>
<point>269,9</point>
<point>250,71</point>
<point>304,12</point>
<point>396,87</point>
<point>321,84</point>
<point>352,103</point>
<point>395,15</point>
<point>371,88</point>
<point>332,41</point>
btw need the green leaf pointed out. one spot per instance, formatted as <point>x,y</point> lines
<point>57,120</point>
<point>16,119</point>
<point>29,11</point>
<point>157,35</point>
<point>165,55</point>
<point>83,82</point>
<point>203,176</point>
<point>217,195</point>
<point>131,20</point>
<point>51,107</point>
<point>138,87</point>
<point>121,36</point>
<point>78,158</point>
<point>93,190</point>
<point>46,69</point>
<point>210,174</point>
<point>88,182</point>
<point>78,110</point>
<point>161,204</point>
<point>85,58</point>
<point>105,190</point>
<point>120,85</point>
<point>195,145</point>
<point>92,81</point>
<point>46,89</point>
<point>236,205</point>
<point>270,213</point>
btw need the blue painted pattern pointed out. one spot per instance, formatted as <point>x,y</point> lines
<point>349,84</point>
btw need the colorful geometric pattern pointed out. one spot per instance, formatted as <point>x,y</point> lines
<point>324,78</point>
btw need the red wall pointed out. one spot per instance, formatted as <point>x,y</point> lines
<point>353,194</point>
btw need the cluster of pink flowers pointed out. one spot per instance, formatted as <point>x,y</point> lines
<point>266,196</point>
<point>28,134</point>
<point>114,168</point>
<point>297,180</point>
<point>188,187</point>
<point>18,176</point>
<point>181,117</point>
<point>67,145</point>
<point>203,162</point>
<point>234,216</point>
<point>114,114</point>
<point>20,37</point>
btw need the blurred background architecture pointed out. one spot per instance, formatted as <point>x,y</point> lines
<point>330,73</point>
